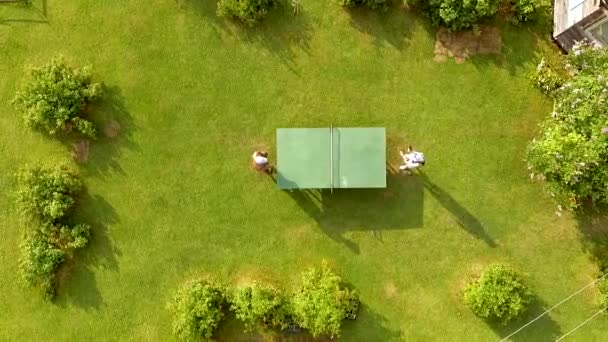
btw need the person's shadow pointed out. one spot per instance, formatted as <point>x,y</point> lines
<point>463,217</point>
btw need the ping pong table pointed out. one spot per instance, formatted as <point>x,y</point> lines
<point>331,158</point>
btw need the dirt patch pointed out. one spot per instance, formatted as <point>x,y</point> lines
<point>80,151</point>
<point>390,290</point>
<point>463,45</point>
<point>111,129</point>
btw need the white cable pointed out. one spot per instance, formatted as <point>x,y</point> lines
<point>553,307</point>
<point>580,325</point>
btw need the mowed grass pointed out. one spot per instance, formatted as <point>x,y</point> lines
<point>174,196</point>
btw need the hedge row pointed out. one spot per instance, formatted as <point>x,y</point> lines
<point>53,100</point>
<point>453,14</point>
<point>46,197</point>
<point>319,304</point>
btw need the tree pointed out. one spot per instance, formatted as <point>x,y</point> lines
<point>47,193</point>
<point>65,236</point>
<point>55,97</point>
<point>460,15</point>
<point>39,262</point>
<point>248,11</point>
<point>198,309</point>
<point>457,14</point>
<point>258,304</point>
<point>498,294</point>
<point>570,152</point>
<point>525,10</point>
<point>321,303</point>
<point>373,4</point>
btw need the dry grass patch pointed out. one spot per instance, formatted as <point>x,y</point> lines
<point>80,151</point>
<point>390,290</point>
<point>462,45</point>
<point>111,129</point>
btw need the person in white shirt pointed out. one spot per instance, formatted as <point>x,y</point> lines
<point>411,160</point>
<point>260,160</point>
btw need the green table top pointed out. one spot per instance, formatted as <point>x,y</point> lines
<point>320,158</point>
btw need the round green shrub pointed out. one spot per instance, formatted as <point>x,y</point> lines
<point>39,262</point>
<point>248,11</point>
<point>498,294</point>
<point>546,79</point>
<point>260,305</point>
<point>457,14</point>
<point>373,4</point>
<point>47,193</point>
<point>198,309</point>
<point>320,304</point>
<point>65,236</point>
<point>55,97</point>
<point>525,10</point>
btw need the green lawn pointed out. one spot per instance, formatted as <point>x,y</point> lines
<point>174,196</point>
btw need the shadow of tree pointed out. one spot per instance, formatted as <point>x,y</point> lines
<point>544,329</point>
<point>393,26</point>
<point>463,217</point>
<point>399,206</point>
<point>593,226</point>
<point>102,153</point>
<point>369,326</point>
<point>78,286</point>
<point>281,33</point>
<point>105,150</point>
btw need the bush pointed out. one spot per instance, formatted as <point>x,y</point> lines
<point>257,304</point>
<point>525,10</point>
<point>74,237</point>
<point>320,304</point>
<point>373,4</point>
<point>65,236</point>
<point>546,79</point>
<point>602,287</point>
<point>248,11</point>
<point>39,262</point>
<point>55,97</point>
<point>457,14</point>
<point>198,308</point>
<point>47,193</point>
<point>571,151</point>
<point>498,294</point>
<point>352,309</point>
